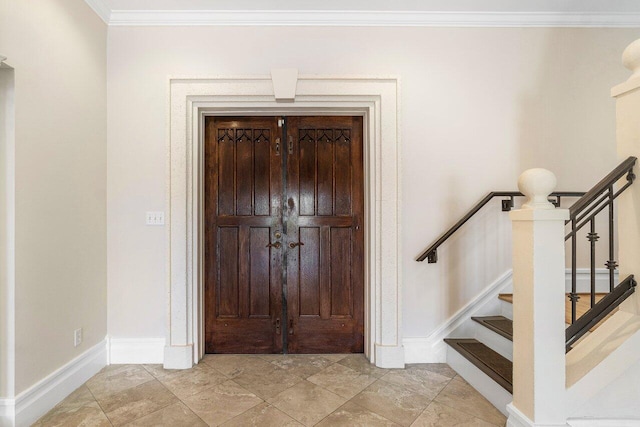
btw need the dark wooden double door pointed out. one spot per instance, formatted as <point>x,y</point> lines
<point>284,235</point>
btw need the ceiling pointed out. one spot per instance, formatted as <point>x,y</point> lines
<point>475,13</point>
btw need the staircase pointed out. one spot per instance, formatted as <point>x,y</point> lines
<point>486,358</point>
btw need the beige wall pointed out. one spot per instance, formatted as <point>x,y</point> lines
<point>478,106</point>
<point>58,51</point>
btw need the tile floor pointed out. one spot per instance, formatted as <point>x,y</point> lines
<point>276,390</point>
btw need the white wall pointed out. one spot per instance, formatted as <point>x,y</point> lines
<point>58,51</point>
<point>478,106</point>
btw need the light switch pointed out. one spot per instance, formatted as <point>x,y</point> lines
<point>155,218</point>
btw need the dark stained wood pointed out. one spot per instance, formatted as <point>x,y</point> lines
<point>243,199</point>
<point>497,367</point>
<point>325,212</point>
<point>245,293</point>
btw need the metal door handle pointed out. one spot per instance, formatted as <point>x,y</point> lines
<point>274,245</point>
<point>278,326</point>
<point>293,245</point>
<point>291,327</point>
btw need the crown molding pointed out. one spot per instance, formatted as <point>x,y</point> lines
<point>101,9</point>
<point>369,18</point>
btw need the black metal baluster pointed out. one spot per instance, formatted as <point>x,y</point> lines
<point>592,236</point>
<point>573,296</point>
<point>611,264</point>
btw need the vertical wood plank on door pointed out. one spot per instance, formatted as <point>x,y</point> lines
<point>228,288</point>
<point>262,172</point>
<point>244,172</point>
<point>310,271</point>
<point>340,271</point>
<point>260,273</point>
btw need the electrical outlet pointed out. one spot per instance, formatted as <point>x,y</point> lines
<point>155,218</point>
<point>77,337</point>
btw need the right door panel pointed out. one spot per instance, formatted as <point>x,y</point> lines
<point>325,235</point>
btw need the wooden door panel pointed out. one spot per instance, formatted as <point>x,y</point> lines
<point>323,213</point>
<point>325,275</point>
<point>243,213</point>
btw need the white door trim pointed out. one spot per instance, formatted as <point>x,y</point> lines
<point>375,98</point>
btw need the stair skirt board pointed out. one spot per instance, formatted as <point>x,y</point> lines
<point>491,390</point>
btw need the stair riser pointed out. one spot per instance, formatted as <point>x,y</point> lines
<point>494,341</point>
<point>506,309</point>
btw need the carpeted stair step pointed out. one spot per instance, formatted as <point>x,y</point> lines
<point>497,367</point>
<point>498,324</point>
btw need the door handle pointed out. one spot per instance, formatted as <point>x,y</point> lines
<point>290,326</point>
<point>276,245</point>
<point>293,245</point>
<point>278,326</point>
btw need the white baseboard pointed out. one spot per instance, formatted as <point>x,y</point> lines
<point>432,349</point>
<point>38,399</point>
<point>599,422</point>
<point>136,350</point>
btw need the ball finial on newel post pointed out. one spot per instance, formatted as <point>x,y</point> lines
<point>537,184</point>
<point>631,58</point>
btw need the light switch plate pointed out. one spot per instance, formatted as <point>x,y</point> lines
<point>155,218</point>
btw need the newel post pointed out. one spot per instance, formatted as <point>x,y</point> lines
<point>538,306</point>
<point>627,97</point>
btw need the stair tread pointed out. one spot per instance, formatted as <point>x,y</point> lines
<point>499,324</point>
<point>497,367</point>
<point>582,306</point>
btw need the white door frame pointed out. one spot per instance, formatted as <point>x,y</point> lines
<point>374,98</point>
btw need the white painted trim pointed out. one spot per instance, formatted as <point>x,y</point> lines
<point>432,349</point>
<point>600,422</point>
<point>361,18</point>
<point>136,350</point>
<point>376,98</point>
<point>517,418</point>
<point>101,8</point>
<point>491,390</point>
<point>38,399</point>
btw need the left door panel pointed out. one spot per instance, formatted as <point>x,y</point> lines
<point>243,235</point>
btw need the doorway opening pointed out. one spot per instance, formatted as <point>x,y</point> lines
<point>284,235</point>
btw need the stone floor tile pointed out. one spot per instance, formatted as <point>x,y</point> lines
<point>89,416</point>
<point>307,402</point>
<point>268,381</point>
<point>335,358</point>
<point>342,381</point>
<point>221,402</point>
<point>263,415</point>
<point>393,402</point>
<point>462,396</point>
<point>176,415</point>
<point>187,382</point>
<point>418,380</point>
<point>438,368</point>
<point>233,365</point>
<point>438,415</point>
<point>302,365</point>
<point>158,370</point>
<point>352,415</point>
<point>359,363</point>
<point>136,402</point>
<point>117,378</point>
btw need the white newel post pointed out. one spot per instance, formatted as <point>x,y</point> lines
<point>627,97</point>
<point>538,306</point>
